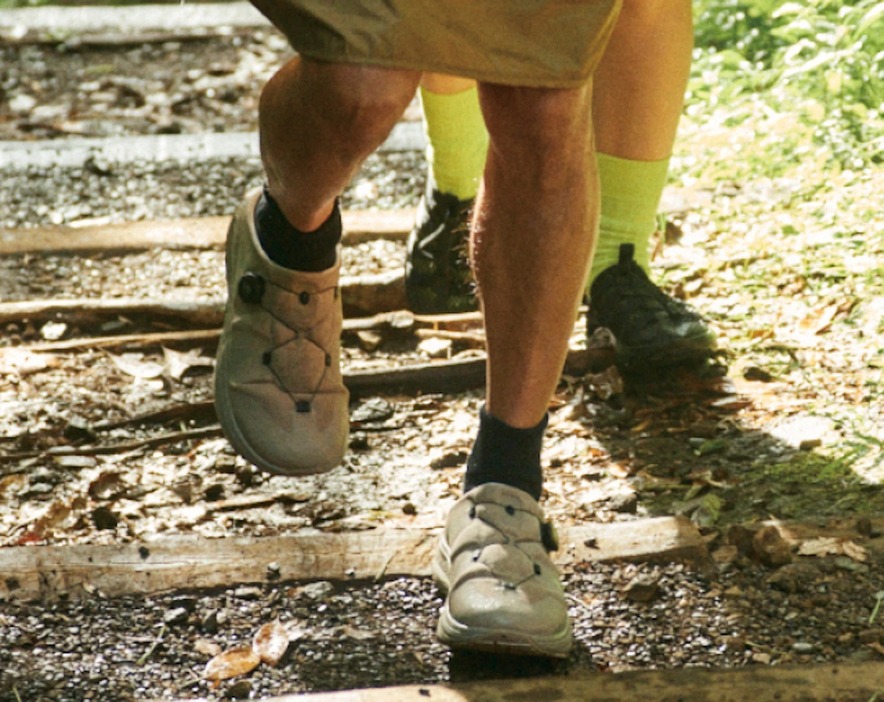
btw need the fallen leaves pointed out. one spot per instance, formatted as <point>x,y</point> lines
<point>269,646</point>
<point>20,361</point>
<point>231,664</point>
<point>175,364</point>
<point>271,642</point>
<point>829,546</point>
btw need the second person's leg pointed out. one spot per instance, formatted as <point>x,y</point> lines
<point>637,104</point>
<point>437,275</point>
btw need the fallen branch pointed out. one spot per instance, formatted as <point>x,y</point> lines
<point>195,562</point>
<point>178,338</point>
<point>80,311</point>
<point>846,682</point>
<point>438,376</point>
<point>364,295</point>
<point>192,411</point>
<point>188,233</point>
<point>123,447</point>
<point>470,338</point>
<point>396,322</point>
<point>153,647</point>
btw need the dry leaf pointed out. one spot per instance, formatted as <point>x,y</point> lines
<point>878,648</point>
<point>137,367</point>
<point>178,363</point>
<point>607,383</point>
<point>105,484</point>
<point>820,319</point>
<point>358,634</point>
<point>230,664</point>
<point>830,546</point>
<point>295,630</point>
<point>435,348</point>
<point>271,642</point>
<point>823,546</point>
<point>12,483</point>
<point>54,515</point>
<point>855,551</point>
<point>206,647</point>
<point>24,362</point>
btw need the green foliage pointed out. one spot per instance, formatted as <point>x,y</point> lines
<point>823,57</point>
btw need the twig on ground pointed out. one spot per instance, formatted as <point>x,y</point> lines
<point>153,647</point>
<point>151,442</point>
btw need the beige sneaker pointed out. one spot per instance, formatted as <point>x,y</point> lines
<point>504,592</point>
<point>278,388</point>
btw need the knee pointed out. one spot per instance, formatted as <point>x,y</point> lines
<point>361,101</point>
<point>537,122</point>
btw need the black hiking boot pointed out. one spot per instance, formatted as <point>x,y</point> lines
<point>652,330</point>
<point>437,270</point>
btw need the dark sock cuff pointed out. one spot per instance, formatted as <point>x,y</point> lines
<point>288,246</point>
<point>505,454</point>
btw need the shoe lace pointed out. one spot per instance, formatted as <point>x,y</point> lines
<point>301,332</point>
<point>446,245</point>
<point>546,538</point>
<point>626,289</point>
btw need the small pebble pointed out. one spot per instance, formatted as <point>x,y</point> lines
<point>175,616</point>
<point>209,622</point>
<point>239,690</point>
<point>643,588</point>
<point>273,571</point>
<point>248,593</point>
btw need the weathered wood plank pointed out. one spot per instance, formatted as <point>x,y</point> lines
<point>396,321</point>
<point>195,313</point>
<point>189,233</point>
<point>857,682</point>
<point>184,562</point>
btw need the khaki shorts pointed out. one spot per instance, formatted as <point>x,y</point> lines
<point>533,43</point>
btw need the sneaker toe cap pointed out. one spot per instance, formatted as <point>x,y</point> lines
<point>291,435</point>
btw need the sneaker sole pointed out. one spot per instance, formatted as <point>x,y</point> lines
<point>649,358</point>
<point>491,640</point>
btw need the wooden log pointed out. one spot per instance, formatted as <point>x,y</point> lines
<point>361,296</point>
<point>437,376</point>
<point>188,233</point>
<point>193,313</point>
<point>170,563</point>
<point>841,682</point>
<point>452,376</point>
<point>207,337</point>
<point>399,321</point>
<point>369,294</point>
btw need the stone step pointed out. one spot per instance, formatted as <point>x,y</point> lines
<point>160,148</point>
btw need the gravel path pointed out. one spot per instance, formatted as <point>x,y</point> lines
<point>346,636</point>
<point>609,460</point>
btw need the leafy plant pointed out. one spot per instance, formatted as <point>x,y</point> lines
<point>823,57</point>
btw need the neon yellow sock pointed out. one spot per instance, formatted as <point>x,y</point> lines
<point>457,141</point>
<point>631,192</point>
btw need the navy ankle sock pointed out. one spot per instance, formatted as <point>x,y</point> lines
<point>503,454</point>
<point>288,246</point>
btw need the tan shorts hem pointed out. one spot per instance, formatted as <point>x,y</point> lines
<point>531,43</point>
